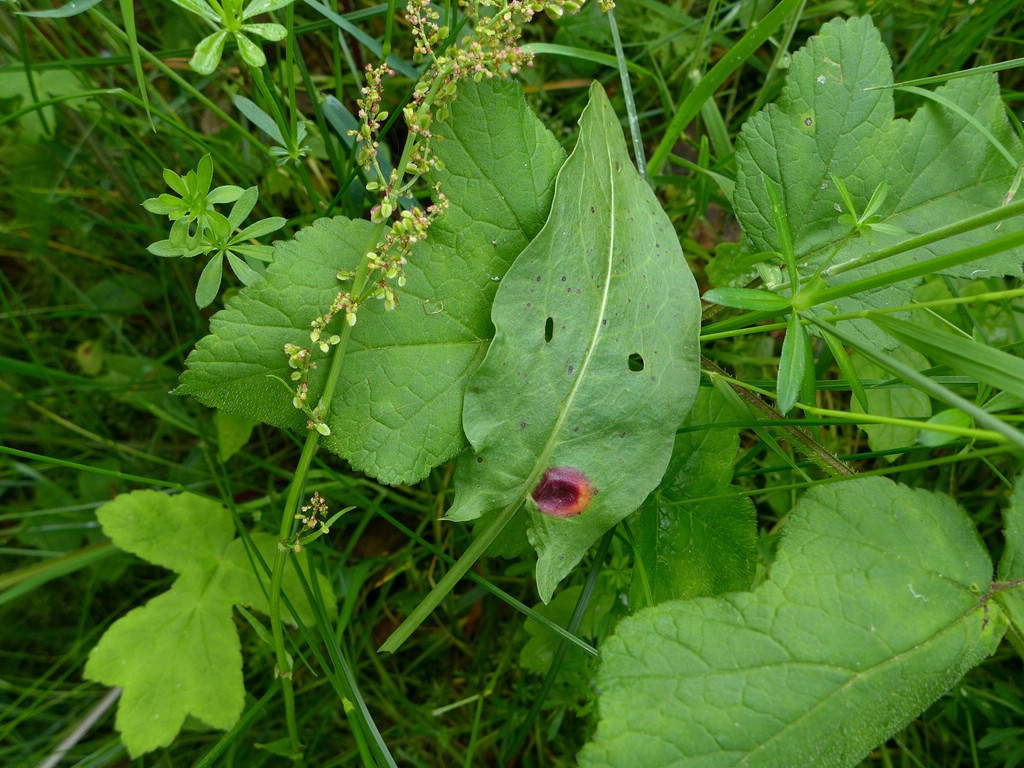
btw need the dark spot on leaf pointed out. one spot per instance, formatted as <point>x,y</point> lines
<point>592,209</point>
<point>563,278</point>
<point>808,121</point>
<point>572,368</point>
<point>563,492</point>
<point>605,321</point>
<point>479,459</point>
<point>568,290</point>
<point>636,362</point>
<point>622,434</point>
<point>538,278</point>
<point>522,425</point>
<point>549,329</point>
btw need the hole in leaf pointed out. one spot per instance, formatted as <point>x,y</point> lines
<point>549,329</point>
<point>636,362</point>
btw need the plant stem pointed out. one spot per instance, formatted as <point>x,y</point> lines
<point>450,579</point>
<point>277,575</point>
<point>822,457</point>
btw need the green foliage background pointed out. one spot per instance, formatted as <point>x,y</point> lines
<point>96,332</point>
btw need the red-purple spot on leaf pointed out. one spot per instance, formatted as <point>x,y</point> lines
<point>563,492</point>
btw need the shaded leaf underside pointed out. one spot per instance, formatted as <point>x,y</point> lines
<point>594,361</point>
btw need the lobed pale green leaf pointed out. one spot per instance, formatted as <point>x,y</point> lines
<point>179,654</point>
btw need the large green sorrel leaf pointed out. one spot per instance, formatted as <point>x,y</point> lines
<point>834,118</point>
<point>398,410</point>
<point>872,609</point>
<point>594,362</point>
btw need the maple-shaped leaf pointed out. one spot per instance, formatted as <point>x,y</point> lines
<point>398,408</point>
<point>180,653</point>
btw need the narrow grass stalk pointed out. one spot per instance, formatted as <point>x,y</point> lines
<point>447,583</point>
<point>713,80</point>
<point>924,383</point>
<point>627,94</point>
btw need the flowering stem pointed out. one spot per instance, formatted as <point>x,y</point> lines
<point>292,503</point>
<point>277,575</point>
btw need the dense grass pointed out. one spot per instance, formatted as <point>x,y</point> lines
<point>95,332</point>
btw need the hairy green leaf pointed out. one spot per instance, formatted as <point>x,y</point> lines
<point>834,117</point>
<point>180,654</point>
<point>398,410</point>
<point>594,361</point>
<point>1011,566</point>
<point>872,609</point>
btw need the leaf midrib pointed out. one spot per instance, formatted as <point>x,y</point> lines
<point>549,447</point>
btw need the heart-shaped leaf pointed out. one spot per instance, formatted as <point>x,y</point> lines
<point>398,410</point>
<point>875,605</point>
<point>594,362</point>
